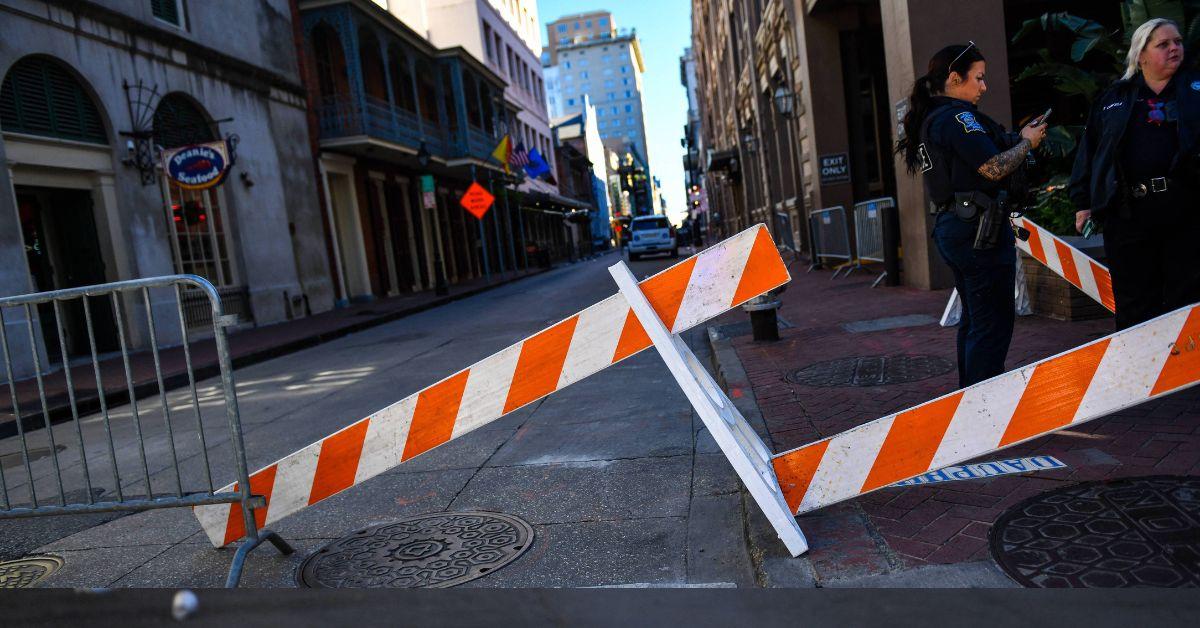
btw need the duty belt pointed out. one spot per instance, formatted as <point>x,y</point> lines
<point>1142,189</point>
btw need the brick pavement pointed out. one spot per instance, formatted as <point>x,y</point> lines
<point>947,522</point>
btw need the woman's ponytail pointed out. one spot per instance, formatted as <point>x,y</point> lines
<point>920,102</point>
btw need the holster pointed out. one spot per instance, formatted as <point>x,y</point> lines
<point>991,222</point>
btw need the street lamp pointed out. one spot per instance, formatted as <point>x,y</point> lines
<point>423,155</point>
<point>785,101</point>
<point>440,286</point>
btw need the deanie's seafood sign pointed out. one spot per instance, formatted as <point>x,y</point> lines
<point>198,166</point>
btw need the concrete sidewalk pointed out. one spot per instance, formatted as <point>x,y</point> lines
<point>248,346</point>
<point>926,535</point>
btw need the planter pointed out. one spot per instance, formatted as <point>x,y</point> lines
<point>1052,296</point>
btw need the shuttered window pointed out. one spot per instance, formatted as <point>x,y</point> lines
<point>177,121</point>
<point>166,10</point>
<point>41,97</point>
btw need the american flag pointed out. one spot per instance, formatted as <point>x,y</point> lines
<point>519,157</point>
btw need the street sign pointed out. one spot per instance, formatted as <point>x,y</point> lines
<point>477,200</point>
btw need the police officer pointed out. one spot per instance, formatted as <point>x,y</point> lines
<point>1136,173</point>
<point>966,159</point>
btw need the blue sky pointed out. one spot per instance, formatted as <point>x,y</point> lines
<point>665,29</point>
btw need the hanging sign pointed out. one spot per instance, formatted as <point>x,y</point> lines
<point>427,198</point>
<point>477,200</point>
<point>197,166</point>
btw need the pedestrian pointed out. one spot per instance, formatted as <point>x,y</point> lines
<point>967,160</point>
<point>1135,175</point>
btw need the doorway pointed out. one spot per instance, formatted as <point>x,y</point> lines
<point>63,251</point>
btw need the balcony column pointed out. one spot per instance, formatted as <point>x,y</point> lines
<point>387,81</point>
<point>417,105</point>
<point>348,34</point>
<point>462,143</point>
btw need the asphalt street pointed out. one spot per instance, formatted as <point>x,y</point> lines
<point>615,474</point>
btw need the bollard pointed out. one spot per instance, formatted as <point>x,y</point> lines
<point>891,246</point>
<point>764,319</point>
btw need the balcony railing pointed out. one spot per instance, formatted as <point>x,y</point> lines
<point>343,117</point>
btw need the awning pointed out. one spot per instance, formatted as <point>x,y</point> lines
<point>722,160</point>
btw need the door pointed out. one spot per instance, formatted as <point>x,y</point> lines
<point>63,251</point>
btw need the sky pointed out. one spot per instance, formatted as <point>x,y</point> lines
<point>664,28</point>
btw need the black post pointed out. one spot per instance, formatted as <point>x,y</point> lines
<point>891,245</point>
<point>765,324</point>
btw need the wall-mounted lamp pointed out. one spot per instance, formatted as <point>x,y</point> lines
<point>785,101</point>
<point>246,180</point>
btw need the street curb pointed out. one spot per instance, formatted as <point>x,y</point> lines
<point>62,413</point>
<point>773,566</point>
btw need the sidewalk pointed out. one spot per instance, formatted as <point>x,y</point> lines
<point>248,346</point>
<point>880,536</point>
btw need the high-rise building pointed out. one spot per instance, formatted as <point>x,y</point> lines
<point>589,56</point>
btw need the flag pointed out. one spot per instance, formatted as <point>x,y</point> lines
<point>519,157</point>
<point>503,153</point>
<point>536,166</point>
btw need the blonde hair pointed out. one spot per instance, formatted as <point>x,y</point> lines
<point>1138,42</point>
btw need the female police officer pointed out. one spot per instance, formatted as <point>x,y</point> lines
<point>966,157</point>
<point>1136,173</point>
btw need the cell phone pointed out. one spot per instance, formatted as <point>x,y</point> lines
<point>1089,228</point>
<point>1044,117</point>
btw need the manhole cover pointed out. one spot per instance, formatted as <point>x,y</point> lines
<point>1137,532</point>
<point>26,572</point>
<point>877,370</point>
<point>438,550</point>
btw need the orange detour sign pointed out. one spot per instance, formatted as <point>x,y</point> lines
<point>682,296</point>
<point>477,200</point>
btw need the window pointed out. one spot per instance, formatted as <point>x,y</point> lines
<point>570,78</point>
<point>608,71</point>
<point>603,21</point>
<point>587,23</point>
<point>608,83</point>
<point>624,69</point>
<point>631,121</point>
<point>570,102</point>
<point>583,74</point>
<point>41,97</point>
<point>562,28</point>
<point>562,41</point>
<point>599,113</point>
<point>612,96</point>
<point>168,11</point>
<point>628,108</point>
<point>606,58</point>
<point>614,111</point>
<point>587,87</point>
<point>624,81</point>
<point>487,41</point>
<point>576,25</point>
<point>568,64</point>
<point>583,63</point>
<point>628,94</point>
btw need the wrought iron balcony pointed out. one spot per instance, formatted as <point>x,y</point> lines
<point>344,117</point>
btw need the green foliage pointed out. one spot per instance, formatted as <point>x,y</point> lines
<point>1052,208</point>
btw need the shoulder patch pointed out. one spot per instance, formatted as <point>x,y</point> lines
<point>1196,86</point>
<point>969,123</point>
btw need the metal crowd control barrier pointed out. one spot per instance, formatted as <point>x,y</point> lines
<point>118,440</point>
<point>831,235</point>
<point>868,233</point>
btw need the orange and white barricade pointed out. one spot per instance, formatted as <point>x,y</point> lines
<point>682,296</point>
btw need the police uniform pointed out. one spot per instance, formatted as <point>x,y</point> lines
<point>957,139</point>
<point>1136,170</point>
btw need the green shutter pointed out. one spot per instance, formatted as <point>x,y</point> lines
<point>166,10</point>
<point>41,97</point>
<point>178,122</point>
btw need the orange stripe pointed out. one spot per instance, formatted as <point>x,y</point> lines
<point>911,442</point>
<point>764,269</point>
<point>1054,392</point>
<point>1070,273</point>
<point>1183,364</point>
<point>633,338</point>
<point>261,483</point>
<point>1035,243</point>
<point>540,364</point>
<point>1104,285</point>
<point>433,418</point>
<point>795,471</point>
<point>665,290</point>
<point>338,463</point>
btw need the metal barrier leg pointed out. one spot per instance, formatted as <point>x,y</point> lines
<point>243,551</point>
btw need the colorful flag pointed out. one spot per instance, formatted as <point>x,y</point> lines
<point>519,157</point>
<point>503,153</point>
<point>537,165</point>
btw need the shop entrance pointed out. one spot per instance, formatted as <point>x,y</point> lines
<point>63,251</point>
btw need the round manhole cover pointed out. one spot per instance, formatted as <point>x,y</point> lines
<point>876,370</point>
<point>1137,532</point>
<point>437,550</point>
<point>26,572</point>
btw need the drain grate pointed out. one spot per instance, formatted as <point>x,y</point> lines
<point>872,370</point>
<point>26,572</point>
<point>428,551</point>
<point>1136,532</point>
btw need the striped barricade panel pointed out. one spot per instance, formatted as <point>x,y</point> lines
<point>1122,370</point>
<point>684,295</point>
<point>1068,262</point>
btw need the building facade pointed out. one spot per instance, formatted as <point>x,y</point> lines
<point>798,102</point>
<point>92,92</point>
<point>582,135</point>
<point>591,57</point>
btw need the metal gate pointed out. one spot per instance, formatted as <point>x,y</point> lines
<point>79,470</point>
<point>831,234</point>
<point>868,232</point>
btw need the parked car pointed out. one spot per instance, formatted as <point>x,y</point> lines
<point>652,234</point>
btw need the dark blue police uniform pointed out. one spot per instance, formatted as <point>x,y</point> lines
<point>956,140</point>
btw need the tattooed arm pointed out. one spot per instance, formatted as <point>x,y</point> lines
<point>1007,162</point>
